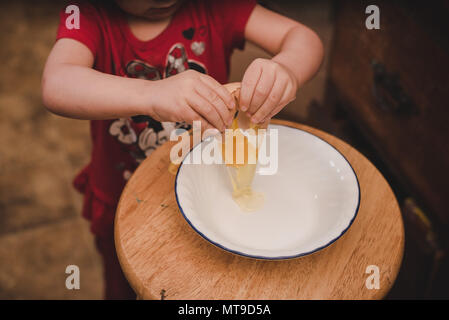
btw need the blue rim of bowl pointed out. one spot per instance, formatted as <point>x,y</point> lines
<point>279,257</point>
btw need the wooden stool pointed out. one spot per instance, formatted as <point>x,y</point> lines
<point>163,257</point>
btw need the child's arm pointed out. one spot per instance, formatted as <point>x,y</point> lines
<point>268,85</point>
<point>70,87</point>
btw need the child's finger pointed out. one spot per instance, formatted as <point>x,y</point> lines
<point>274,112</point>
<point>249,83</point>
<point>210,95</point>
<point>206,110</point>
<point>283,102</point>
<point>190,116</point>
<point>220,90</point>
<point>270,103</point>
<point>262,91</point>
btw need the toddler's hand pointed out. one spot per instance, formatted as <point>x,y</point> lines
<point>267,87</point>
<point>191,95</point>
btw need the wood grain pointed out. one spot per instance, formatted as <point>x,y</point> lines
<point>158,250</point>
<point>415,146</point>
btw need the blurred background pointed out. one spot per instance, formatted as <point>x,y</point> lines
<point>383,91</point>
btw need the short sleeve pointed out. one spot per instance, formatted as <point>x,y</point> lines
<point>88,30</point>
<point>232,16</point>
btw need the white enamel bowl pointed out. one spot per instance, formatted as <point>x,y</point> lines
<point>309,203</point>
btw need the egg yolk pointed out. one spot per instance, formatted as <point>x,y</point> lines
<point>241,163</point>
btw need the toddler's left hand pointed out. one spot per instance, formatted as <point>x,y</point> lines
<point>266,88</point>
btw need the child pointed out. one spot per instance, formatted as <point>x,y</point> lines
<point>100,72</point>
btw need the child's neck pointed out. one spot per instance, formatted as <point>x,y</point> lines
<point>144,29</point>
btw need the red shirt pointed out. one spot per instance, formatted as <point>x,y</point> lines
<point>200,36</point>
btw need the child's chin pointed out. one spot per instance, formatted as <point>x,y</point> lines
<point>159,14</point>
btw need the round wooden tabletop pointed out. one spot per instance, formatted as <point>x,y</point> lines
<point>163,257</point>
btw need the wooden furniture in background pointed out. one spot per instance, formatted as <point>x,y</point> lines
<point>163,257</point>
<point>393,86</point>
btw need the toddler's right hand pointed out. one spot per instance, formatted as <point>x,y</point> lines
<point>190,96</point>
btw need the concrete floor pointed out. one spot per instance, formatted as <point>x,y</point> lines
<point>41,230</point>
